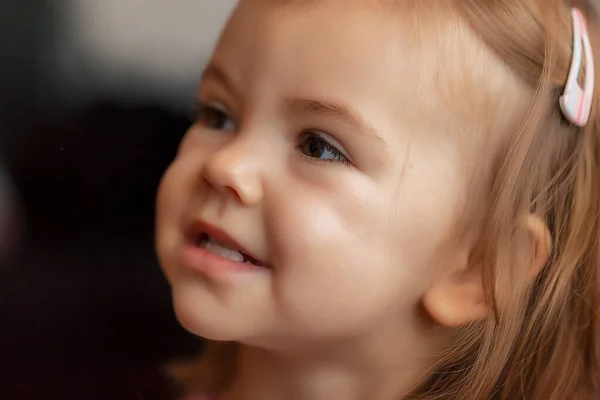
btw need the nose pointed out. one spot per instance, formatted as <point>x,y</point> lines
<point>235,171</point>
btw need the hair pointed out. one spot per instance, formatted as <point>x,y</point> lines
<point>541,342</point>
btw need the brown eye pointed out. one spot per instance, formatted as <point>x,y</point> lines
<point>315,146</point>
<point>214,118</point>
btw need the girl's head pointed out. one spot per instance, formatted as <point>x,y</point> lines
<point>397,179</point>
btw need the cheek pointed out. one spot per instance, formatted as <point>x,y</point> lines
<point>180,181</point>
<point>427,212</point>
<point>337,271</point>
<point>357,253</point>
<point>168,196</point>
<point>165,238</point>
<point>172,201</point>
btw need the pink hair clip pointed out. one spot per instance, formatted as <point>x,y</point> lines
<point>576,103</point>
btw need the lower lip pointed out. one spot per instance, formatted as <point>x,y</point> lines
<point>213,265</point>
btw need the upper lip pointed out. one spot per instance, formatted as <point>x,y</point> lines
<point>199,227</point>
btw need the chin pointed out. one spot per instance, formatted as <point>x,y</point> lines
<point>205,318</point>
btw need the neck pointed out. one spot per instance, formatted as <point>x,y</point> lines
<point>365,370</point>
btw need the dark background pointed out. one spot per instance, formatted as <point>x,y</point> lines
<point>84,310</point>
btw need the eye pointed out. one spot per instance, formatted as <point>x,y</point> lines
<point>214,117</point>
<point>317,145</point>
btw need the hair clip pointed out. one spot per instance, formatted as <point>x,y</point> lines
<point>576,103</point>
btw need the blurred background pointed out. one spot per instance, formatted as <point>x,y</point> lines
<point>94,98</point>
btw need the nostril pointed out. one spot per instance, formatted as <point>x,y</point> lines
<point>231,191</point>
<point>228,190</point>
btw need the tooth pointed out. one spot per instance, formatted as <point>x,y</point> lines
<point>222,251</point>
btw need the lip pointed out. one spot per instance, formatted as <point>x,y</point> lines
<point>200,227</point>
<point>213,266</point>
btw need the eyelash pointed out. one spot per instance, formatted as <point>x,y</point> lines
<point>202,110</point>
<point>207,111</point>
<point>337,155</point>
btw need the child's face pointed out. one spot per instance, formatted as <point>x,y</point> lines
<point>324,163</point>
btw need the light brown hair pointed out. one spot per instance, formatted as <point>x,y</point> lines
<point>542,343</point>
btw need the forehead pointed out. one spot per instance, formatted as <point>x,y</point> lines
<point>418,58</point>
<point>293,36</point>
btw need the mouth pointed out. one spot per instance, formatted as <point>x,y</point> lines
<point>223,248</point>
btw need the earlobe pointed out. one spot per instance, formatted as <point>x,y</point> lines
<point>458,298</point>
<point>457,295</point>
<point>457,301</point>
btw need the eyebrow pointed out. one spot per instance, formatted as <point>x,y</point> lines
<point>325,108</point>
<point>335,110</point>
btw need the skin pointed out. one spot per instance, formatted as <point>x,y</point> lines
<point>361,248</point>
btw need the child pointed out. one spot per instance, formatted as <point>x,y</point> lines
<point>392,200</point>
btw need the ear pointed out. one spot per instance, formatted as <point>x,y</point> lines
<point>536,246</point>
<point>457,297</point>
